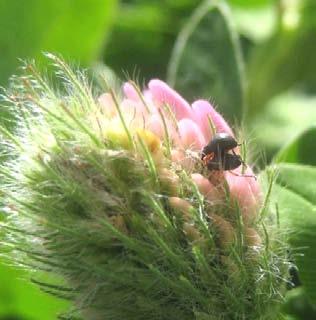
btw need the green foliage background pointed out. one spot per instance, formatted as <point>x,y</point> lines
<point>254,59</point>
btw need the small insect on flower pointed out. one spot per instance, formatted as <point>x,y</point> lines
<point>216,156</point>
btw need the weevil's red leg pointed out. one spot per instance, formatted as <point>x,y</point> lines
<point>208,158</point>
<point>243,175</point>
<point>244,164</point>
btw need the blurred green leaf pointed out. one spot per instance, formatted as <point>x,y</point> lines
<point>22,299</point>
<point>297,305</point>
<point>147,26</point>
<point>75,29</point>
<point>287,58</point>
<point>300,150</point>
<point>206,61</point>
<point>153,26</point>
<point>295,194</point>
<point>283,119</point>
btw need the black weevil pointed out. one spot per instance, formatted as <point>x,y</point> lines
<point>224,162</point>
<point>220,143</point>
<point>215,155</point>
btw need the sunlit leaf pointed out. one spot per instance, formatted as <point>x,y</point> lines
<point>283,119</point>
<point>300,149</point>
<point>249,3</point>
<point>20,299</point>
<point>75,29</point>
<point>255,23</point>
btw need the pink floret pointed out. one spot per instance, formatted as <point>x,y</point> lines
<point>189,128</point>
<point>162,94</point>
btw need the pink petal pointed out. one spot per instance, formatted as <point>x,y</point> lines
<point>107,104</point>
<point>249,176</point>
<point>190,134</point>
<point>130,92</point>
<point>202,111</point>
<point>177,155</point>
<point>162,94</point>
<point>180,158</point>
<point>136,109</point>
<point>206,188</point>
<point>242,190</point>
<point>254,185</point>
<point>155,125</point>
<point>148,96</point>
